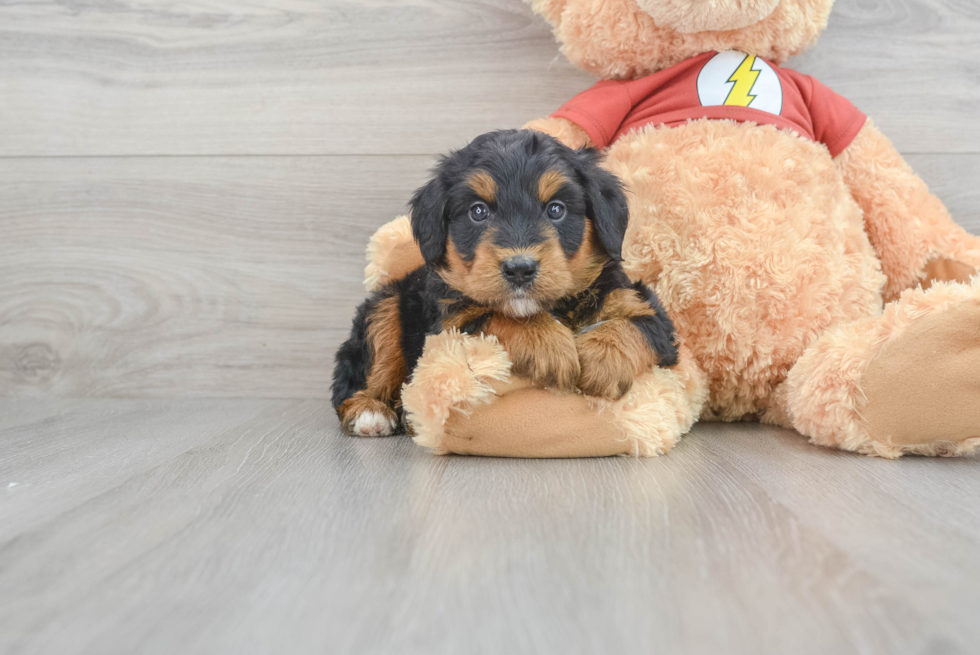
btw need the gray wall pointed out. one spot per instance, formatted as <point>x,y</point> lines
<point>186,189</point>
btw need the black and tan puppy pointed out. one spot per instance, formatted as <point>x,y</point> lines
<point>521,238</point>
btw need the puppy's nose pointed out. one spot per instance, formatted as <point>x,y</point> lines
<point>520,271</point>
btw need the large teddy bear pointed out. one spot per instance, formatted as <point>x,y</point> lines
<point>814,281</point>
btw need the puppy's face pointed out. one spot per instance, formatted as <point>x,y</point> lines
<point>516,220</point>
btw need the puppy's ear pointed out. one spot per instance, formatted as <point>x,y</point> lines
<point>429,227</point>
<point>605,201</point>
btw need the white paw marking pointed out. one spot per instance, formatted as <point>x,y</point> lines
<point>373,424</point>
<point>522,307</point>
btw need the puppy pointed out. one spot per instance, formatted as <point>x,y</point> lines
<point>521,238</point>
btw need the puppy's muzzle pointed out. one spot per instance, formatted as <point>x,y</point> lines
<point>519,271</point>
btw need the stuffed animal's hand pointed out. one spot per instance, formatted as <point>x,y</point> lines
<point>562,129</point>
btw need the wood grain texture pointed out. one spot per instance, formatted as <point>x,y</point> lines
<point>380,77</point>
<point>956,180</point>
<point>230,277</point>
<point>195,276</point>
<point>59,457</point>
<point>271,77</point>
<point>911,65</point>
<point>275,534</point>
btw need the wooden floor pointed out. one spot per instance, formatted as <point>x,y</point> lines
<point>244,526</point>
<point>186,189</point>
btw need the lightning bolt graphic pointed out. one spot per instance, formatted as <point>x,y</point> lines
<point>744,78</point>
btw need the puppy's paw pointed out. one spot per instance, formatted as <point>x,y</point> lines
<point>553,370</point>
<point>608,367</point>
<point>549,359</point>
<point>373,424</point>
<point>367,417</point>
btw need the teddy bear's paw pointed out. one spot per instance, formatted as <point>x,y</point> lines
<point>922,386</point>
<point>367,417</point>
<point>392,254</point>
<point>455,373</point>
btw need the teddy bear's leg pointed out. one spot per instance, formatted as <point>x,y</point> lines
<point>914,236</point>
<point>463,400</point>
<point>907,381</point>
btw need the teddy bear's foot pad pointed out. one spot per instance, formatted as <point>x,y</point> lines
<point>923,388</point>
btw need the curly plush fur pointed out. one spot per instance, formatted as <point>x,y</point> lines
<point>831,295</point>
<point>617,39</point>
<point>463,400</point>
<point>391,254</point>
<point>757,253</point>
<point>908,226</point>
<point>827,396</point>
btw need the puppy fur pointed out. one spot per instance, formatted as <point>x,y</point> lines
<point>521,238</point>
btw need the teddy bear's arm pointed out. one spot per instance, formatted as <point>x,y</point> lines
<point>912,232</point>
<point>461,399</point>
<point>562,129</point>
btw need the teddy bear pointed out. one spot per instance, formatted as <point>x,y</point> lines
<point>814,281</point>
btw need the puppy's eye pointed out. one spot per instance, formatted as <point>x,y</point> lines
<point>555,210</point>
<point>479,211</point>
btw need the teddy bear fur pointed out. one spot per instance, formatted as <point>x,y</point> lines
<point>832,295</point>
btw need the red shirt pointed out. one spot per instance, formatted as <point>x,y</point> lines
<point>718,85</point>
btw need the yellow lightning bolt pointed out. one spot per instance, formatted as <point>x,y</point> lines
<point>744,78</point>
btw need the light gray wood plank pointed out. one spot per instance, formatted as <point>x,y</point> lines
<point>271,77</point>
<point>72,452</point>
<point>319,513</point>
<point>276,534</point>
<point>351,77</point>
<point>231,277</point>
<point>911,65</point>
<point>956,180</point>
<point>194,276</point>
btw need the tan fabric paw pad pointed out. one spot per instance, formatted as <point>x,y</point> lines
<point>923,388</point>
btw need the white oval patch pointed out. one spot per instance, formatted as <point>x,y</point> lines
<point>737,79</point>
